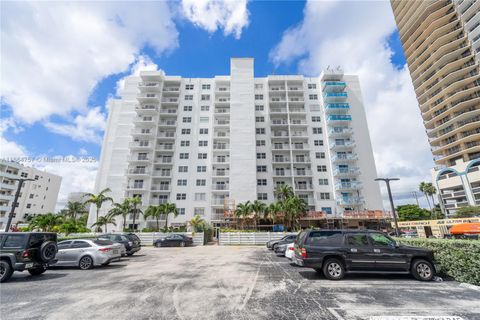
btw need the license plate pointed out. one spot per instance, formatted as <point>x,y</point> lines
<point>28,265</point>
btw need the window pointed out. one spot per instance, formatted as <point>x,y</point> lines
<point>205,87</point>
<point>320,155</point>
<point>181,211</point>
<point>204,119</point>
<point>184,143</point>
<point>259,97</point>
<point>203,143</point>
<point>259,119</point>
<point>323,182</point>
<point>322,168</point>
<point>36,177</point>
<point>324,195</point>
<point>203,131</point>
<point>189,87</point>
<point>64,245</point>
<point>312,86</point>
<point>261,168</point>
<point>184,155</point>
<point>181,196</point>
<point>30,196</point>
<point>201,182</point>
<point>205,97</point>
<point>259,108</point>
<point>258,86</point>
<point>142,156</point>
<point>313,97</point>
<point>317,130</point>
<point>261,155</point>
<point>185,131</point>
<point>262,196</point>
<point>204,108</point>
<point>200,197</point>
<point>14,241</point>
<point>260,143</point>
<point>201,168</point>
<point>328,210</point>
<point>318,142</point>
<point>183,169</point>
<point>199,211</point>
<point>187,108</point>
<point>261,182</point>
<point>189,97</point>
<point>29,205</point>
<point>187,119</point>
<point>325,238</point>
<point>357,240</point>
<point>80,244</point>
<point>260,130</point>
<point>202,156</point>
<point>381,240</point>
<point>182,182</point>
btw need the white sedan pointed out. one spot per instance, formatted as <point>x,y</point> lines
<point>290,252</point>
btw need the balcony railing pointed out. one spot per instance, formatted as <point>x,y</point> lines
<point>344,157</point>
<point>220,187</point>
<point>343,145</point>
<point>338,118</point>
<point>354,185</point>
<point>350,201</point>
<point>346,172</point>
<point>336,107</point>
<point>334,86</point>
<point>161,187</point>
<point>340,132</point>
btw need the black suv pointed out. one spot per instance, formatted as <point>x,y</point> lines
<point>336,252</point>
<point>32,251</point>
<point>131,242</point>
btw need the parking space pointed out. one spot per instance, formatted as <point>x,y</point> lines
<point>215,282</point>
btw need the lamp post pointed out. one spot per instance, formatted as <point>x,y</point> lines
<point>14,203</point>
<point>387,181</point>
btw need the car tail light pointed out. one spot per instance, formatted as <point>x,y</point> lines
<point>25,254</point>
<point>303,252</point>
<point>104,249</point>
<point>291,248</point>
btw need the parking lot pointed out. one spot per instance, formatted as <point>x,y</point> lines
<point>215,282</point>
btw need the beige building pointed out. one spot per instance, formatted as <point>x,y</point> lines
<point>441,42</point>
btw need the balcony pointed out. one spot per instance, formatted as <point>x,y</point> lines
<point>6,197</point>
<point>149,86</point>
<point>275,100</point>
<point>296,99</point>
<point>350,201</point>
<point>282,174</point>
<point>147,109</point>
<point>336,107</point>
<point>165,147</point>
<point>222,110</point>
<point>350,172</point>
<point>347,145</point>
<point>304,187</point>
<point>340,132</point>
<point>221,146</point>
<point>297,110</point>
<point>277,88</point>
<point>304,146</point>
<point>148,97</point>
<point>136,187</point>
<point>166,101</point>
<point>299,135</point>
<point>284,146</point>
<point>140,159</point>
<point>283,122</point>
<point>332,97</point>
<point>336,119</point>
<point>166,135</point>
<point>281,160</point>
<point>135,145</point>
<point>301,160</point>
<point>163,161</point>
<point>142,134</point>
<point>220,173</point>
<point>302,173</point>
<point>138,172</point>
<point>344,158</point>
<point>334,86</point>
<point>144,121</point>
<point>221,101</point>
<point>346,186</point>
<point>222,123</point>
<point>172,112</point>
<point>167,123</point>
<point>162,174</point>
<point>297,122</point>
<point>161,188</point>
<point>278,110</point>
<point>220,187</point>
<point>222,135</point>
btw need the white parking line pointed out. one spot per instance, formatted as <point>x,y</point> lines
<point>335,314</point>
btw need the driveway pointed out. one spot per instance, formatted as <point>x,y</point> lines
<point>214,282</point>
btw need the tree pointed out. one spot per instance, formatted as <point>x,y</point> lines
<point>412,212</point>
<point>122,209</point>
<point>75,208</point>
<point>45,222</point>
<point>467,212</point>
<point>135,201</point>
<point>258,208</point>
<point>284,192</point>
<point>242,211</point>
<point>154,212</point>
<point>168,208</point>
<point>294,208</point>
<point>197,223</point>
<point>425,188</point>
<point>98,200</point>
<point>272,211</point>
<point>104,221</point>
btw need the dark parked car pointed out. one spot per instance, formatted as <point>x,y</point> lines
<point>281,246</point>
<point>131,241</point>
<point>289,238</point>
<point>337,252</point>
<point>32,251</point>
<point>174,240</point>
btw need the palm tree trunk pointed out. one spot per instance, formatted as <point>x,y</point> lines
<point>166,221</point>
<point>106,228</point>
<point>124,222</point>
<point>158,223</point>
<point>426,196</point>
<point>98,209</point>
<point>134,216</point>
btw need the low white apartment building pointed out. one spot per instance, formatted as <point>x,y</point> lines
<point>36,197</point>
<point>207,144</point>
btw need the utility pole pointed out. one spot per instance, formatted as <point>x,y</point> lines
<point>387,181</point>
<point>14,203</point>
<point>416,197</point>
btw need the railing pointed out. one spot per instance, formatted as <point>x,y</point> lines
<point>350,201</point>
<point>348,185</point>
<point>339,117</point>
<point>349,171</point>
<point>138,171</point>
<point>344,157</point>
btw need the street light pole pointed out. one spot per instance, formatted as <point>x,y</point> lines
<point>14,203</point>
<point>387,181</point>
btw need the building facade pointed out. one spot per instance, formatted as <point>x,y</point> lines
<point>36,197</point>
<point>441,42</point>
<point>207,144</point>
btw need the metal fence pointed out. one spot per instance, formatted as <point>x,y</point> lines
<point>249,238</point>
<point>147,238</point>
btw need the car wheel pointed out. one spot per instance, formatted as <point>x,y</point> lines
<point>130,254</point>
<point>274,247</point>
<point>37,271</point>
<point>182,244</point>
<point>422,270</point>
<point>157,245</point>
<point>85,263</point>
<point>6,271</point>
<point>333,269</point>
<point>48,250</point>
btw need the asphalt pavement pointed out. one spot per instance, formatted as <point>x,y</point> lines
<point>215,282</point>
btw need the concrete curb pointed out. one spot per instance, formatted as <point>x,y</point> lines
<point>470,286</point>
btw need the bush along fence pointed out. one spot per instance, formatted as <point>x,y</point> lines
<point>249,238</point>
<point>147,238</point>
<point>459,259</point>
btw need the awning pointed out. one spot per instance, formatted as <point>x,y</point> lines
<point>465,228</point>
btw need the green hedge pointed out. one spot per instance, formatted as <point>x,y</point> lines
<point>459,259</point>
<point>89,236</point>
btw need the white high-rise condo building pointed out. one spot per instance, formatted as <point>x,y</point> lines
<point>441,41</point>
<point>36,197</point>
<point>207,144</point>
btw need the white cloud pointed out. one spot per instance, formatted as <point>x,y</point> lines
<point>212,15</point>
<point>88,128</point>
<point>54,54</point>
<point>142,63</point>
<point>358,43</point>
<point>10,149</point>
<point>82,152</point>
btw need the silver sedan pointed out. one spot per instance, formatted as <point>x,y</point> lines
<point>87,253</point>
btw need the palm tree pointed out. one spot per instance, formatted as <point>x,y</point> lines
<point>98,200</point>
<point>105,220</point>
<point>431,191</point>
<point>258,208</point>
<point>243,210</point>
<point>45,222</point>
<point>197,223</point>
<point>272,210</point>
<point>284,192</point>
<point>294,208</point>
<point>75,208</point>
<point>122,209</point>
<point>155,212</point>
<point>135,201</point>
<point>423,187</point>
<point>168,208</point>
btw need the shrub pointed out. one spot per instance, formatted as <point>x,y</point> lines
<point>459,259</point>
<point>149,230</point>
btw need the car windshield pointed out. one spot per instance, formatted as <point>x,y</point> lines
<point>133,237</point>
<point>102,242</point>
